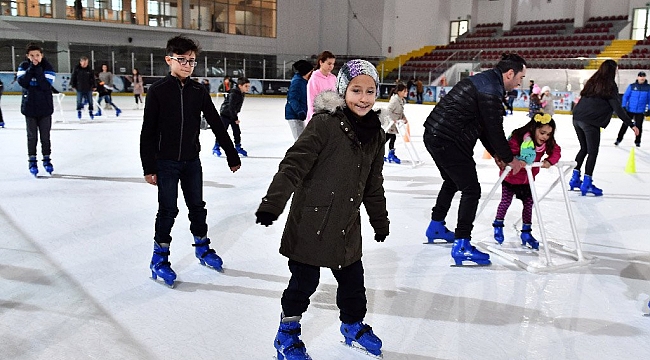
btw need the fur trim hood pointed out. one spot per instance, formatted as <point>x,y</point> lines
<point>328,101</point>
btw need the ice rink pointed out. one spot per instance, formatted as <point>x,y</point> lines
<point>75,250</point>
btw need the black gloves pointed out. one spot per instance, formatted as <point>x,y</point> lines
<point>380,237</point>
<point>265,218</point>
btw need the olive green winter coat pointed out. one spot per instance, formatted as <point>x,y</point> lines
<point>330,174</point>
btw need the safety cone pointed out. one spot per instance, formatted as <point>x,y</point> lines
<point>630,168</point>
<point>486,155</point>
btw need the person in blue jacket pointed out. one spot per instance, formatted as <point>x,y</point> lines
<point>295,111</point>
<point>636,101</point>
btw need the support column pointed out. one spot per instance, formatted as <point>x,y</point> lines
<point>184,19</point>
<point>63,57</point>
<point>509,14</point>
<point>582,11</point>
<point>59,8</point>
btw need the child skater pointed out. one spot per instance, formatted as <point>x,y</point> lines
<point>393,114</point>
<point>230,109</point>
<point>332,168</point>
<point>529,143</point>
<point>534,103</point>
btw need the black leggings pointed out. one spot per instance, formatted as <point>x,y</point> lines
<point>390,139</point>
<point>589,138</point>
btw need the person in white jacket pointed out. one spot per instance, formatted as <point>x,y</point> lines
<point>391,117</point>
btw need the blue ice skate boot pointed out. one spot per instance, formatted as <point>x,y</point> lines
<point>47,164</point>
<point>207,256</point>
<point>392,158</point>
<point>2,124</point>
<point>79,114</point>
<point>33,166</point>
<point>92,117</point>
<point>498,230</point>
<point>241,150</point>
<point>216,150</point>
<point>361,334</point>
<point>464,251</point>
<point>527,237</point>
<point>160,265</point>
<point>588,187</point>
<point>99,112</point>
<point>575,181</point>
<point>117,112</point>
<point>287,342</point>
<point>438,230</point>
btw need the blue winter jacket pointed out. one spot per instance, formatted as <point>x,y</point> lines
<point>296,107</point>
<point>637,97</point>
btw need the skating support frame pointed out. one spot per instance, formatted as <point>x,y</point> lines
<point>563,168</point>
<point>410,149</point>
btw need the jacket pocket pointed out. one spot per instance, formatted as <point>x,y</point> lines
<point>314,220</point>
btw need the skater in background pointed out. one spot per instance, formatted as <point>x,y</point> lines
<point>546,101</point>
<point>419,91</point>
<point>534,103</point>
<point>511,96</point>
<point>206,83</point>
<point>36,76</point>
<point>224,88</point>
<point>598,100</point>
<point>472,110</point>
<point>333,168</point>
<point>295,111</point>
<point>169,150</point>
<point>83,81</point>
<point>230,109</point>
<point>393,114</point>
<point>321,79</point>
<point>529,143</point>
<point>105,95</point>
<point>138,88</point>
<point>636,101</point>
<point>107,78</point>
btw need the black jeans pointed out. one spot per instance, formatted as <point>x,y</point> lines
<point>458,171</point>
<point>236,132</point>
<point>390,139</point>
<point>35,126</point>
<point>638,120</point>
<point>190,175</point>
<point>589,139</point>
<point>350,294</point>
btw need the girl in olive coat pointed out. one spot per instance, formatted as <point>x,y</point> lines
<point>334,167</point>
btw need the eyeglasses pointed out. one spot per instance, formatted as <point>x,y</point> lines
<point>184,61</point>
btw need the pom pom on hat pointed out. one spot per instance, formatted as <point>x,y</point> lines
<point>303,67</point>
<point>352,69</point>
<point>545,89</point>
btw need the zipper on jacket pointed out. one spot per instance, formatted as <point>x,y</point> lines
<point>325,218</point>
<point>180,143</point>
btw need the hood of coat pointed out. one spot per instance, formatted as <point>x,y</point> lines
<point>328,101</point>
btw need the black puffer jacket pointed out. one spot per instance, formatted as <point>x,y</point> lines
<point>472,110</point>
<point>171,125</point>
<point>330,173</point>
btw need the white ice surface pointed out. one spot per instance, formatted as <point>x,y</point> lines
<point>75,249</point>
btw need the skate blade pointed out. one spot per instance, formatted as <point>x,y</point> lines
<point>219,269</point>
<point>472,263</point>
<point>438,242</point>
<point>355,346</point>
<point>162,282</point>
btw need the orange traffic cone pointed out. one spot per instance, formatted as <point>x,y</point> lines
<point>486,155</point>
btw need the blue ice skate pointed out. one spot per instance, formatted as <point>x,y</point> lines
<point>588,187</point>
<point>464,251</point>
<point>99,112</point>
<point>392,158</point>
<point>33,166</point>
<point>216,151</point>
<point>575,181</point>
<point>438,230</point>
<point>160,265</point>
<point>241,150</point>
<point>287,342</point>
<point>363,336</point>
<point>498,230</point>
<point>527,238</point>
<point>207,256</point>
<point>2,124</point>
<point>117,111</point>
<point>47,164</point>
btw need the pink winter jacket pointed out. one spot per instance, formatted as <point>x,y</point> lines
<point>317,84</point>
<point>521,177</point>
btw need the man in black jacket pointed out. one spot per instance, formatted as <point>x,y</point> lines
<point>169,150</point>
<point>471,110</point>
<point>83,80</point>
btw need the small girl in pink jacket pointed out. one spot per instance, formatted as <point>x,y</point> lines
<point>321,79</point>
<point>529,143</point>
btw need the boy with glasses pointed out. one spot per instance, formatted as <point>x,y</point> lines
<point>169,150</point>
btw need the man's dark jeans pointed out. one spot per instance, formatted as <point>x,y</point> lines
<point>190,175</point>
